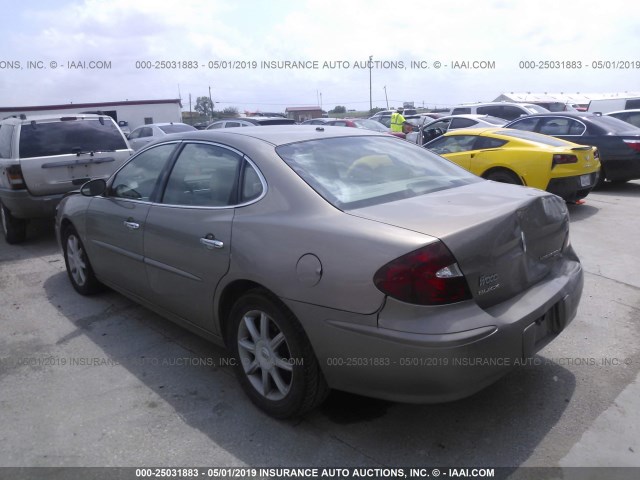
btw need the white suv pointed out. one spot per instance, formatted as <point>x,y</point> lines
<point>42,157</point>
<point>506,110</point>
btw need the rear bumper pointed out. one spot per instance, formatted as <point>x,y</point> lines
<point>452,351</point>
<point>22,204</point>
<point>622,168</point>
<point>571,188</point>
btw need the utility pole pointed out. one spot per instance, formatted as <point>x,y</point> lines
<point>385,96</point>
<point>190,112</point>
<point>320,100</point>
<point>370,97</point>
<point>211,100</point>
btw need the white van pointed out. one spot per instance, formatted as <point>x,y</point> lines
<point>606,105</point>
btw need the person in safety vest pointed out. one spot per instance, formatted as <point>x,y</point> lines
<point>397,120</point>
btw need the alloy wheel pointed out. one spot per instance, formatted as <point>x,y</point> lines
<point>265,355</point>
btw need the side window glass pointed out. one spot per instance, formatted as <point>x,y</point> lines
<point>576,128</point>
<point>554,126</point>
<point>251,184</point>
<point>146,132</point>
<point>487,142</point>
<point>511,113</point>
<point>494,111</point>
<point>454,144</point>
<point>138,178</point>
<point>633,119</point>
<point>528,124</point>
<point>460,111</point>
<point>632,104</point>
<point>462,123</point>
<point>231,124</point>
<point>6,134</point>
<point>204,176</point>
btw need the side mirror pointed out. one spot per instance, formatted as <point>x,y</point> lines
<point>93,188</point>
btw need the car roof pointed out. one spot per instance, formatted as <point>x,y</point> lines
<point>56,116</point>
<point>508,133</point>
<point>473,131</point>
<point>631,110</point>
<point>275,134</point>
<point>162,124</point>
<point>472,116</point>
<point>561,114</point>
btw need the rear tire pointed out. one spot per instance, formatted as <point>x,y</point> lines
<point>275,363</point>
<point>503,176</point>
<point>14,229</point>
<point>77,262</point>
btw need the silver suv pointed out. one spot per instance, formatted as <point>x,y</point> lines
<point>42,157</point>
<point>506,110</point>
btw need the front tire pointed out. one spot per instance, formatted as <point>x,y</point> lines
<point>77,262</point>
<point>14,229</point>
<point>275,362</point>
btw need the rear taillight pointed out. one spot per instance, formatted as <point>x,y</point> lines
<point>562,159</point>
<point>427,276</point>
<point>15,178</point>
<point>634,144</point>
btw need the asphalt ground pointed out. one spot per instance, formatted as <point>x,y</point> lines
<point>101,381</point>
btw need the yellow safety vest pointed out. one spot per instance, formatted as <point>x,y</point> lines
<point>396,122</point>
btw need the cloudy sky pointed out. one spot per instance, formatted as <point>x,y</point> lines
<point>46,44</point>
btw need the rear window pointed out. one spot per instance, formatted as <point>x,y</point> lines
<point>355,172</point>
<point>533,137</point>
<point>275,121</point>
<point>494,120</point>
<point>613,125</point>
<point>537,108</point>
<point>176,128</point>
<point>68,137</point>
<point>370,125</point>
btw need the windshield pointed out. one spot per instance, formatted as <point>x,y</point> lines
<point>176,128</point>
<point>355,172</point>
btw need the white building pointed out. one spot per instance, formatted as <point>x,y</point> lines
<point>135,112</point>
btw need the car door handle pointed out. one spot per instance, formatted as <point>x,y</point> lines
<point>131,225</point>
<point>211,243</point>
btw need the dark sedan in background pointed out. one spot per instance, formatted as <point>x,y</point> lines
<point>327,257</point>
<point>250,122</point>
<point>617,141</point>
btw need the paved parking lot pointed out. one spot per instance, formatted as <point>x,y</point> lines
<point>101,381</point>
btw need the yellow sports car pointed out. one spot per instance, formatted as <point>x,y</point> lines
<point>524,158</point>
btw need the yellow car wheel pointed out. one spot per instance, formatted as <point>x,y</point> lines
<point>503,176</point>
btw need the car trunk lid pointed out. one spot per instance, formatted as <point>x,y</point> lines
<point>505,238</point>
